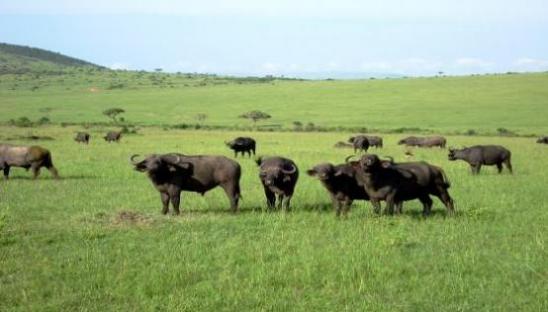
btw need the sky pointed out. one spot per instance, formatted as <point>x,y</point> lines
<point>311,39</point>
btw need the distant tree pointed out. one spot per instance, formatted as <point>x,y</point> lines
<point>201,117</point>
<point>158,70</point>
<point>112,113</point>
<point>255,116</point>
<point>440,73</point>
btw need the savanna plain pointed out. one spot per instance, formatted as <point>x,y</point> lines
<point>95,240</point>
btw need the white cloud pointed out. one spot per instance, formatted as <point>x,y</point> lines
<point>119,65</point>
<point>269,68</point>
<point>526,63</point>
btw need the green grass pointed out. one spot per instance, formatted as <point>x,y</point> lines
<point>65,245</point>
<point>448,105</point>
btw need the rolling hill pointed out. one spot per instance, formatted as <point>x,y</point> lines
<point>16,59</point>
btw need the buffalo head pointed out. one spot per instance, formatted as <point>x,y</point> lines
<point>155,163</point>
<point>322,171</point>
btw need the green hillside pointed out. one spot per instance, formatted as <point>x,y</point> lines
<point>16,59</point>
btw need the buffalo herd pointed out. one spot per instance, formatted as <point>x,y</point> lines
<point>367,178</point>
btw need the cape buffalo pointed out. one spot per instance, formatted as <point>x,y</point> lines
<point>279,176</point>
<point>28,157</point>
<point>82,137</point>
<point>480,155</point>
<point>399,182</point>
<point>424,141</point>
<point>543,140</point>
<point>173,173</point>
<point>242,145</point>
<point>113,136</point>
<point>340,182</point>
<point>359,142</point>
<point>374,141</point>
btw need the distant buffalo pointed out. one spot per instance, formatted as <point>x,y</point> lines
<point>479,155</point>
<point>242,145</point>
<point>82,137</point>
<point>374,141</point>
<point>113,136</point>
<point>173,173</point>
<point>28,157</point>
<point>279,176</point>
<point>543,140</point>
<point>359,142</point>
<point>340,181</point>
<point>424,141</point>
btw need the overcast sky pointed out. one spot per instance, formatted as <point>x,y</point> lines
<point>299,38</point>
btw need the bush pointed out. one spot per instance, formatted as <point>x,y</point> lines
<point>505,132</point>
<point>44,121</point>
<point>470,132</point>
<point>21,122</point>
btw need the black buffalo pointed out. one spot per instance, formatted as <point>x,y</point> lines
<point>543,140</point>
<point>173,173</point>
<point>399,182</point>
<point>424,141</point>
<point>82,137</point>
<point>28,157</point>
<point>242,145</point>
<point>374,141</point>
<point>479,155</point>
<point>340,182</point>
<point>113,136</point>
<point>279,176</point>
<point>359,142</point>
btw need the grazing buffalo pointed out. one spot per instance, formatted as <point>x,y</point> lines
<point>543,140</point>
<point>242,145</point>
<point>173,173</point>
<point>480,155</point>
<point>359,142</point>
<point>399,182</point>
<point>113,136</point>
<point>82,137</point>
<point>279,176</point>
<point>374,141</point>
<point>342,144</point>
<point>340,182</point>
<point>424,141</point>
<point>28,157</point>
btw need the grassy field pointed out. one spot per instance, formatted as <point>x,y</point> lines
<point>95,240</point>
<point>451,105</point>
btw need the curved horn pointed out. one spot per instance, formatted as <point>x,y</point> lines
<point>348,158</point>
<point>132,159</point>
<point>293,170</point>
<point>390,157</point>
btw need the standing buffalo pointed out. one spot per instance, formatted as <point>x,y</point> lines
<point>173,173</point>
<point>113,136</point>
<point>399,182</point>
<point>543,140</point>
<point>374,141</point>
<point>242,145</point>
<point>82,137</point>
<point>359,142</point>
<point>279,176</point>
<point>480,155</point>
<point>33,157</point>
<point>424,141</point>
<point>340,182</point>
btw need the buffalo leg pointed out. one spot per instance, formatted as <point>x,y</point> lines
<point>233,194</point>
<point>346,206</point>
<point>53,172</point>
<point>499,167</point>
<point>376,206</point>
<point>390,204</point>
<point>6,172</point>
<point>508,165</point>
<point>287,202</point>
<point>398,209</point>
<point>165,202</point>
<point>280,201</point>
<point>426,204</point>
<point>35,171</point>
<point>270,198</point>
<point>175,198</point>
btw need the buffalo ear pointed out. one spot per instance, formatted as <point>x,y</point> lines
<point>259,160</point>
<point>386,164</point>
<point>311,172</point>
